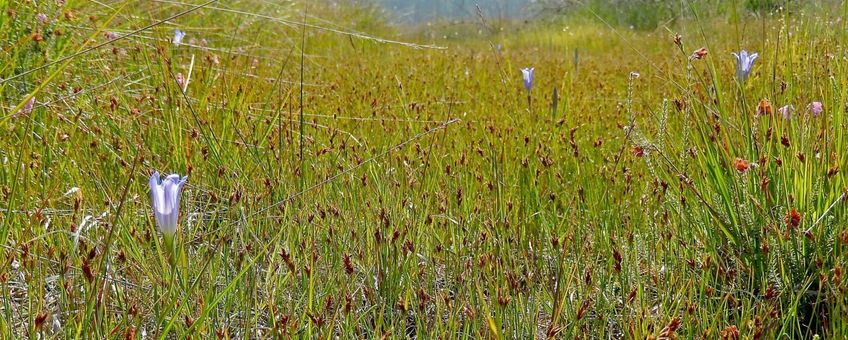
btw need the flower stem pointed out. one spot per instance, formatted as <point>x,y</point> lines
<point>171,248</point>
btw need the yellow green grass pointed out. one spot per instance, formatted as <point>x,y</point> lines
<point>356,180</point>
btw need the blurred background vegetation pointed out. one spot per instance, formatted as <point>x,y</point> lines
<point>635,14</point>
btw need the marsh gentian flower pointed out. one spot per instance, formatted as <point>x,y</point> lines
<point>178,37</point>
<point>816,108</point>
<point>744,62</point>
<point>786,111</point>
<point>528,78</point>
<point>166,201</point>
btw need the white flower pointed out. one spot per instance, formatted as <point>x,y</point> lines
<point>527,73</point>
<point>166,201</point>
<point>178,37</point>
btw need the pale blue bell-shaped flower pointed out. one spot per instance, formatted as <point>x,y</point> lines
<point>166,201</point>
<point>178,37</point>
<point>527,73</point>
<point>744,63</point>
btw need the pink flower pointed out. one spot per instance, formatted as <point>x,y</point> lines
<point>786,111</point>
<point>816,108</point>
<point>26,109</point>
<point>180,80</point>
<point>41,17</point>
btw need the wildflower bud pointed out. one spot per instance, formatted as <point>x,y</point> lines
<point>742,165</point>
<point>678,40</point>
<point>699,54</point>
<point>764,108</point>
<point>793,218</point>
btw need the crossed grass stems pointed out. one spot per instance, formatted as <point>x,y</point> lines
<point>63,62</point>
<point>633,135</point>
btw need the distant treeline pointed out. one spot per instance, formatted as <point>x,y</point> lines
<point>636,14</point>
<point>426,10</point>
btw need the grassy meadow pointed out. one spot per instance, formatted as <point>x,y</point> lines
<point>348,178</point>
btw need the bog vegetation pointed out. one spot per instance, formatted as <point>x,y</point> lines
<point>657,169</point>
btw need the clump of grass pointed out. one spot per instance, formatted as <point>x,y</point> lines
<point>346,181</point>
